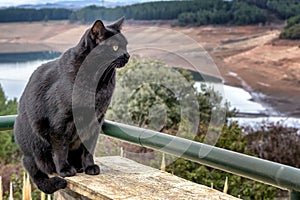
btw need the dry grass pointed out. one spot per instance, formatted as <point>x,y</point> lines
<point>1,192</point>
<point>26,190</point>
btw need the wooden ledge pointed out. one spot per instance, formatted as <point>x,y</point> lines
<point>121,178</point>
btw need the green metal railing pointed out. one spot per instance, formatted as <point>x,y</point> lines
<point>278,175</point>
<point>7,122</point>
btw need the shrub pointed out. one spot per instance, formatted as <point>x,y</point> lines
<point>8,148</point>
<point>293,21</point>
<point>292,33</point>
<point>275,142</point>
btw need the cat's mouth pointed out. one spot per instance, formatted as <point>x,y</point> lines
<point>118,63</point>
<point>122,60</point>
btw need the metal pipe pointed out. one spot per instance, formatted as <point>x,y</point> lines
<point>278,175</point>
<point>7,122</point>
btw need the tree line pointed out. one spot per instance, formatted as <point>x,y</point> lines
<point>185,13</point>
<point>194,12</point>
<point>31,15</point>
<point>222,12</point>
<point>286,10</point>
<point>283,9</point>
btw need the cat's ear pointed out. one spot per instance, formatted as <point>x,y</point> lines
<point>98,30</point>
<point>117,25</point>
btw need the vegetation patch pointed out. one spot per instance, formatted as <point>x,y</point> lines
<point>292,33</point>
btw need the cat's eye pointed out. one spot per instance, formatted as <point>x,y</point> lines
<point>115,48</point>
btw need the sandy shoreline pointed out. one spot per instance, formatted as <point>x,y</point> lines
<point>250,57</point>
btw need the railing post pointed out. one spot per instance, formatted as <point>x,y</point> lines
<point>294,195</point>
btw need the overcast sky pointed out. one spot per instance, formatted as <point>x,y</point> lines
<point>18,2</point>
<point>6,3</point>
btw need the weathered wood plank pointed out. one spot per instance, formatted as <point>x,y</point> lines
<point>122,178</point>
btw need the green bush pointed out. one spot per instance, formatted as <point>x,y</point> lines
<point>145,90</point>
<point>292,21</point>
<point>275,142</point>
<point>292,33</point>
<point>7,107</point>
<point>9,152</point>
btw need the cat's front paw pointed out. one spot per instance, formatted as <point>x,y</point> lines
<point>67,171</point>
<point>92,170</point>
<point>49,186</point>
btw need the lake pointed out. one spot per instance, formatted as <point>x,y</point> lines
<point>15,75</point>
<point>16,69</point>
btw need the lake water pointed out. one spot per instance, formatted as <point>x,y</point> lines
<point>15,75</point>
<point>240,99</point>
<point>16,68</point>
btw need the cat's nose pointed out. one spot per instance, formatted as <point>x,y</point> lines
<point>126,55</point>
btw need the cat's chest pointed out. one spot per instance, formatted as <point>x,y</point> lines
<point>77,137</point>
<point>75,143</point>
<point>103,96</point>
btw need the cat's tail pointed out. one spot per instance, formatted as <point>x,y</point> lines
<point>42,181</point>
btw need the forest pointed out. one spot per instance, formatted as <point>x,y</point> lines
<point>193,12</point>
<point>31,15</point>
<point>183,13</point>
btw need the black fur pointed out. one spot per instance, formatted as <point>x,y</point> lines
<point>45,128</point>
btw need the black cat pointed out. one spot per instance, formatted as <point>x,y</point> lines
<point>51,137</point>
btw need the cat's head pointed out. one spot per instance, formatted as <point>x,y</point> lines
<point>110,39</point>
